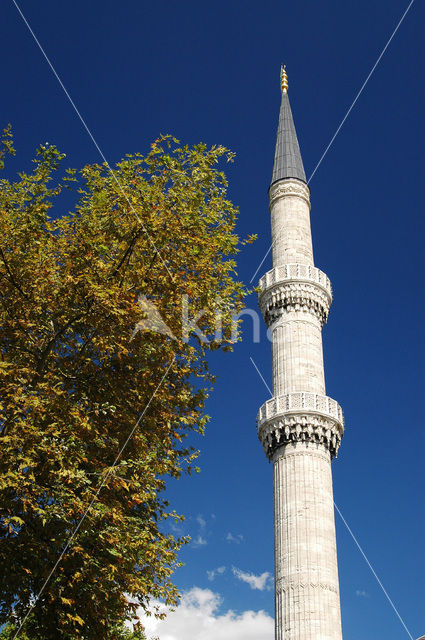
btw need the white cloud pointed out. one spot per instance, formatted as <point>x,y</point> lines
<point>231,538</point>
<point>212,574</point>
<point>199,541</point>
<point>361,593</point>
<point>177,528</point>
<point>201,521</point>
<point>197,618</point>
<point>260,582</point>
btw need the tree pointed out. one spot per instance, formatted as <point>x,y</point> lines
<point>118,632</point>
<point>81,368</point>
<point>9,631</point>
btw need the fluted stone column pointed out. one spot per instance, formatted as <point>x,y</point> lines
<point>307,595</point>
<point>290,222</point>
<point>300,427</point>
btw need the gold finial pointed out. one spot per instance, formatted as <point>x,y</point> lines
<point>283,78</point>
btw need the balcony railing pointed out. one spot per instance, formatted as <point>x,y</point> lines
<point>298,402</point>
<point>290,272</point>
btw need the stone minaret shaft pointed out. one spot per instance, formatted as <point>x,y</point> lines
<point>300,427</point>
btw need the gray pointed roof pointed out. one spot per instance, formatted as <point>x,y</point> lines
<point>287,158</point>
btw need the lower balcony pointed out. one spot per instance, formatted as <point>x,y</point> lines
<point>300,416</point>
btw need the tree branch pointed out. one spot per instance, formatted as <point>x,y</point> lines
<point>11,277</point>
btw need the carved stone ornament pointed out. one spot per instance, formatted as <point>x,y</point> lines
<point>284,587</point>
<point>304,417</point>
<point>289,187</point>
<point>293,287</point>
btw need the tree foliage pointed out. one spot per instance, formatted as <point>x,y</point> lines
<point>117,632</point>
<point>75,377</point>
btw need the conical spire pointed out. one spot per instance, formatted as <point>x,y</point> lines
<point>287,158</point>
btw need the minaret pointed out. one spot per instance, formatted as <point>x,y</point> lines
<point>300,427</point>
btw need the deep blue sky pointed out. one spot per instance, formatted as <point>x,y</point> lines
<point>210,72</point>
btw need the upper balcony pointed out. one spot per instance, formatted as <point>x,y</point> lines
<point>294,273</point>
<point>294,287</point>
